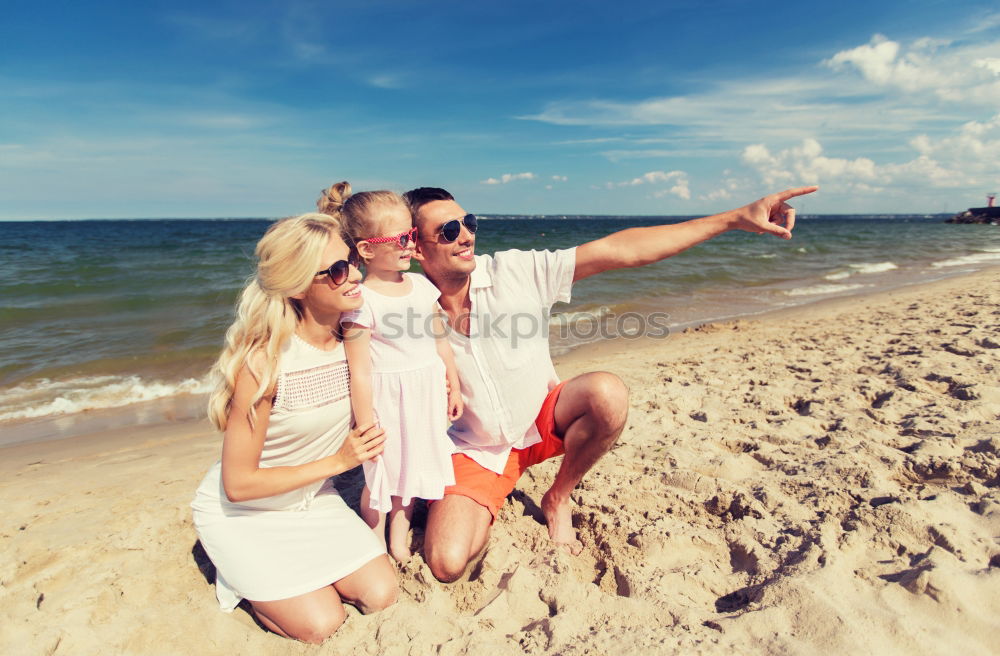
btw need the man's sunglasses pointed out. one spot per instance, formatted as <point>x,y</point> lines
<point>403,239</point>
<point>341,269</point>
<point>450,231</point>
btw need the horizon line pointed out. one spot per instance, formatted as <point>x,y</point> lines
<point>484,215</point>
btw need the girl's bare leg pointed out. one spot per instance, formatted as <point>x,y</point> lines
<point>311,617</point>
<point>399,530</point>
<point>372,517</point>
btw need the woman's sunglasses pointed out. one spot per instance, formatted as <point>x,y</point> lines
<point>341,269</point>
<point>403,239</point>
<point>451,230</point>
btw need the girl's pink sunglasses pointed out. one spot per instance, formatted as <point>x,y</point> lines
<point>403,239</point>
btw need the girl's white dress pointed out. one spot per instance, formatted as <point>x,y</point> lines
<point>289,544</point>
<point>409,395</point>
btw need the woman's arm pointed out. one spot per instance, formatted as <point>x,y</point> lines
<point>455,403</point>
<point>357,345</point>
<point>242,476</point>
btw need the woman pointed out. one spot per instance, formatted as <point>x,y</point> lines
<point>276,529</point>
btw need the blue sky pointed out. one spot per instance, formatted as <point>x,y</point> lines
<point>182,109</point>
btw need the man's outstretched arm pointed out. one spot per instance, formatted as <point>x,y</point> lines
<point>640,246</point>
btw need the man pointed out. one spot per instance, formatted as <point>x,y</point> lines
<point>517,413</point>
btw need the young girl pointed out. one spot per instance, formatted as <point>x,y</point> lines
<point>403,373</point>
<point>277,531</point>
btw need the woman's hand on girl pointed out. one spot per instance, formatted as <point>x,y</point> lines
<point>363,443</point>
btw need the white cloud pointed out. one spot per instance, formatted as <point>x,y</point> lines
<point>560,178</point>
<point>723,119</point>
<point>805,164</point>
<point>576,142</point>
<point>307,51</point>
<point>221,121</point>
<point>963,73</point>
<point>731,187</point>
<point>966,158</point>
<point>655,153</point>
<point>653,177</point>
<point>991,64</point>
<point>681,190</point>
<point>386,81</point>
<point>871,93</point>
<point>985,23</point>
<point>963,159</point>
<point>508,177</point>
<point>680,187</point>
<point>879,62</point>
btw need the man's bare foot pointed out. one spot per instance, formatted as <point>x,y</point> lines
<point>559,517</point>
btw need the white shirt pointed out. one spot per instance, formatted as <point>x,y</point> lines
<point>504,363</point>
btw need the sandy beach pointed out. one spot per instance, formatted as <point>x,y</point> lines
<point>823,480</point>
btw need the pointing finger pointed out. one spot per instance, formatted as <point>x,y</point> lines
<point>798,191</point>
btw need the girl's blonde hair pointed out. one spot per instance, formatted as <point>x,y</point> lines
<point>363,213</point>
<point>288,256</point>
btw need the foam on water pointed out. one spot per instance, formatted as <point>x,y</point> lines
<point>873,267</point>
<point>991,255</point>
<point>46,397</point>
<point>570,318</point>
<point>860,269</point>
<point>822,289</point>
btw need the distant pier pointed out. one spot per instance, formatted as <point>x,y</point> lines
<point>989,215</point>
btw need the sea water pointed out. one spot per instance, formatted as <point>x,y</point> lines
<point>107,313</point>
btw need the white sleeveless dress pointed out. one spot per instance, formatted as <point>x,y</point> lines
<point>409,395</point>
<point>289,544</point>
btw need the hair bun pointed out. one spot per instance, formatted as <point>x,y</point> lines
<point>332,200</point>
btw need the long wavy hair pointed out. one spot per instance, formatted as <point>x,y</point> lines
<point>288,256</point>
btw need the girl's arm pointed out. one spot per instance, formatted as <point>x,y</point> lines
<point>455,403</point>
<point>357,344</point>
<point>242,476</point>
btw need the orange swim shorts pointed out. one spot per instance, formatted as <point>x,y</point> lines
<point>489,489</point>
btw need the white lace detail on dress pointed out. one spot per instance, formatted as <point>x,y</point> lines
<point>314,387</point>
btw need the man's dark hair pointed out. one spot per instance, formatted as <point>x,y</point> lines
<point>417,198</point>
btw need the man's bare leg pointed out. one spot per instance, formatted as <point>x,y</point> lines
<point>457,530</point>
<point>590,414</point>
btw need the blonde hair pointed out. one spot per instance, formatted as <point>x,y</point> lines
<point>288,256</point>
<point>363,213</point>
